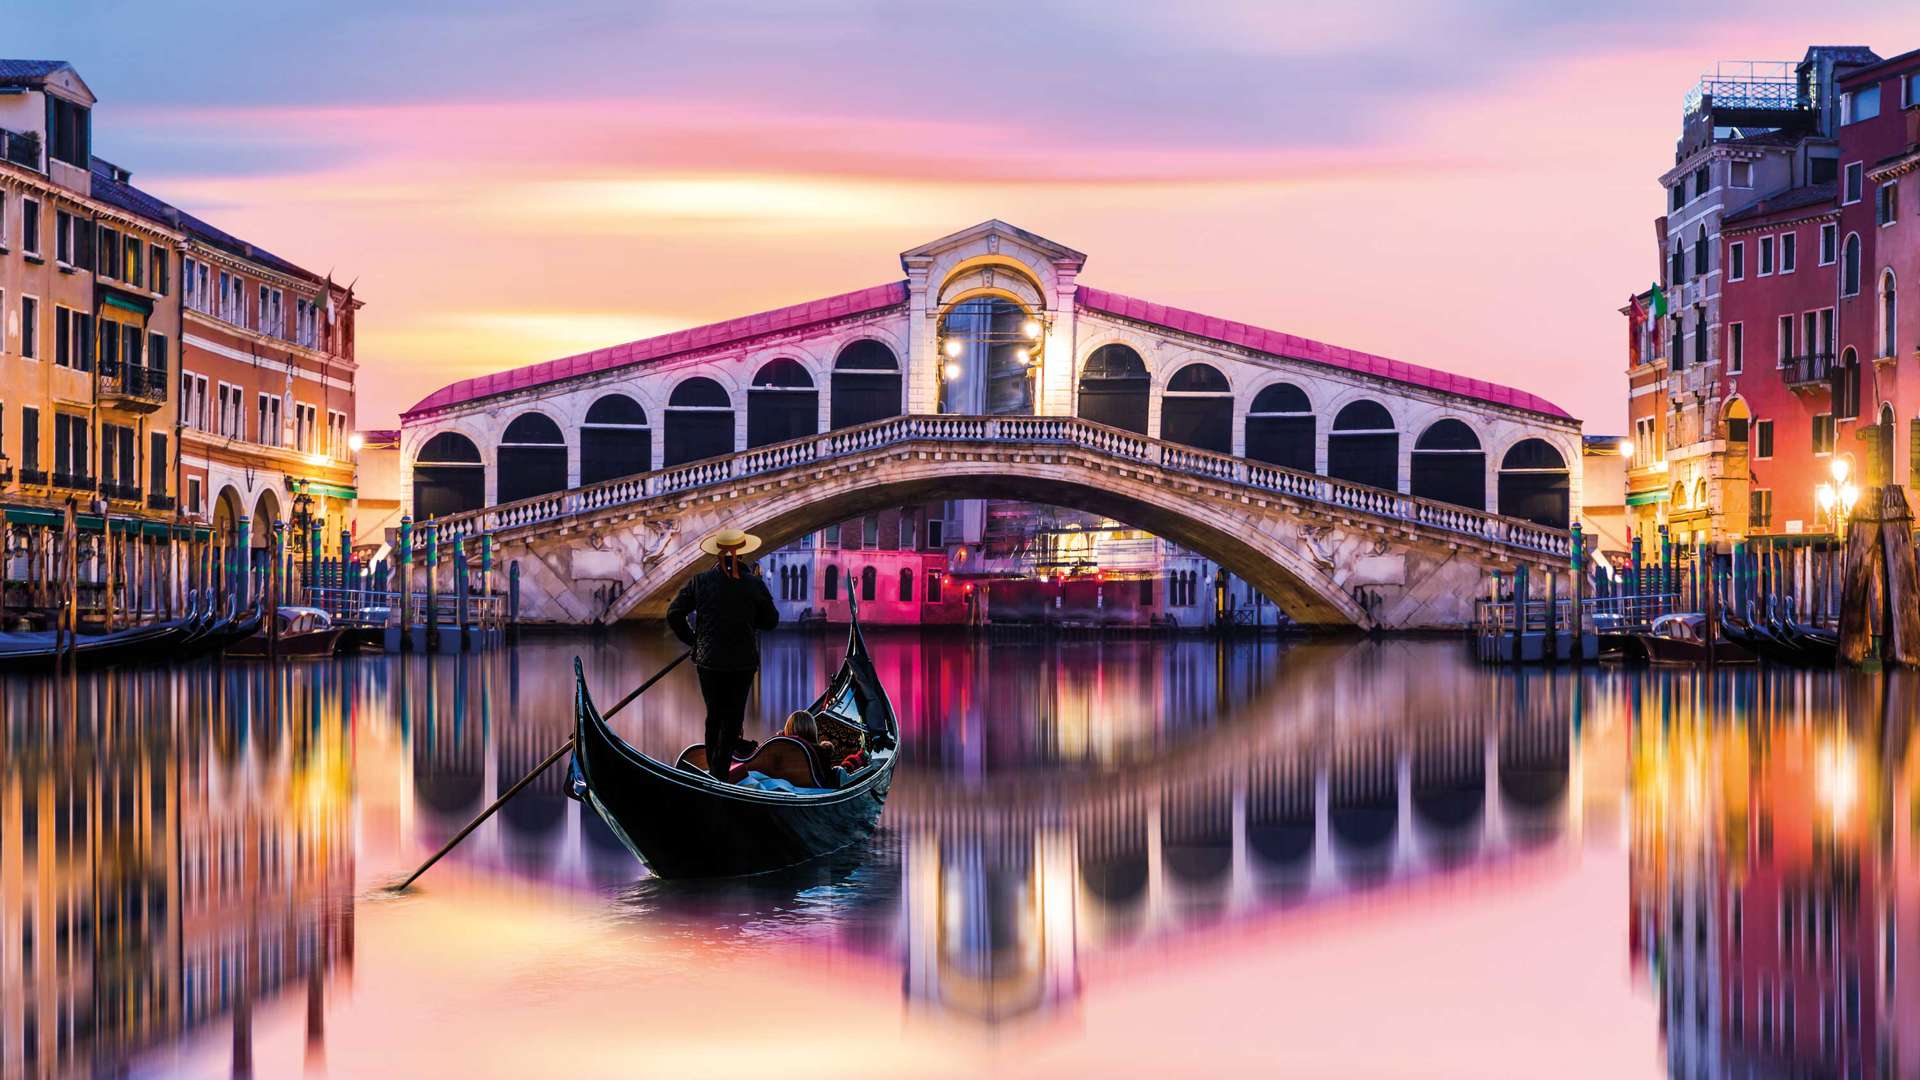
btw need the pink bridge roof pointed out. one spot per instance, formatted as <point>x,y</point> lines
<point>1299,348</point>
<point>712,336</point>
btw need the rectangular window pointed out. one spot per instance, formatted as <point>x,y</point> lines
<point>1824,343</point>
<point>29,327</point>
<point>136,265</point>
<point>193,495</point>
<point>1785,337</point>
<point>30,226</point>
<point>62,333</point>
<point>906,531</point>
<point>1854,188</point>
<point>269,432</point>
<point>261,311</point>
<point>936,533</point>
<point>1737,261</point>
<point>1789,252</point>
<point>63,237</point>
<point>109,242</point>
<point>157,357</point>
<point>162,267</point>
<point>1701,181</point>
<point>1736,348</point>
<point>109,349</point>
<point>1863,104</point>
<point>1679,349</point>
<point>1763,439</point>
<point>1886,203</point>
<point>870,532</point>
<point>1677,197</point>
<point>72,461</point>
<point>130,344</point>
<point>1741,174</point>
<point>337,434</point>
<point>156,465</point>
<point>1829,243</point>
<point>30,439</point>
<point>1700,337</point>
<point>1766,256</point>
<point>933,586</point>
<point>1823,433</point>
<point>3,221</point>
<point>1759,508</point>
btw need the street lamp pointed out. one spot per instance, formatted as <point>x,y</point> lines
<point>1625,448</point>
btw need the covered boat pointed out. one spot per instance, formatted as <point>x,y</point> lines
<point>782,806</point>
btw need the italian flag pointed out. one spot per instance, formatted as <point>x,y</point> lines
<point>1656,301</point>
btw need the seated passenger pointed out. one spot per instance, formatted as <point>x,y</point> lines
<point>801,725</point>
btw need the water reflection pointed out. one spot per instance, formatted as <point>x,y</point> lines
<point>185,856</point>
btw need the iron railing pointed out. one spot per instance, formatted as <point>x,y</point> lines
<point>134,381</point>
<point>1808,371</point>
<point>1004,432</point>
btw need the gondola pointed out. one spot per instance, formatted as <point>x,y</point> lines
<point>303,632</point>
<point>1681,638</point>
<point>1757,638</point>
<point>788,808</point>
<point>39,650</point>
<point>1820,647</point>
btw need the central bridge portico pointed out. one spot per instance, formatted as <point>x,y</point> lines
<point>1350,488</point>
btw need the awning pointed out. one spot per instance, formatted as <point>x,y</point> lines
<point>1643,498</point>
<point>159,530</point>
<point>128,304</point>
<point>321,487</point>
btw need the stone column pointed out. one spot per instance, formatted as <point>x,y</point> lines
<point>920,367</point>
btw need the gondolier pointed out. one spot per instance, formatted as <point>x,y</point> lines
<point>729,605</point>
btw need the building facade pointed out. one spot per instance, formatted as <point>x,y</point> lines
<point>152,367</point>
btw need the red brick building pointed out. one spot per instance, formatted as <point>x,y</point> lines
<point>1818,345</point>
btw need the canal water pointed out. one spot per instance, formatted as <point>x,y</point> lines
<point>1162,857</point>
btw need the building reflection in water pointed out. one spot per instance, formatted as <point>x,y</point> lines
<point>174,847</point>
<point>179,850</point>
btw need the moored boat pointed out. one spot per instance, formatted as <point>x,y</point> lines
<point>783,806</point>
<point>303,631</point>
<point>1682,638</point>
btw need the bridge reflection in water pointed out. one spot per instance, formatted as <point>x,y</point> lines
<point>181,852</point>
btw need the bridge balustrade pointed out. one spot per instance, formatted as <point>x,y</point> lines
<point>1000,431</point>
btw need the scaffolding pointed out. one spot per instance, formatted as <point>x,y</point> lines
<point>1750,84</point>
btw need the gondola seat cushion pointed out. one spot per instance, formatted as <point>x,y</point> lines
<point>781,757</point>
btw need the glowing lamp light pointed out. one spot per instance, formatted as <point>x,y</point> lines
<point>1625,448</point>
<point>1848,496</point>
<point>951,370</point>
<point>1023,356</point>
<point>952,348</point>
<point>1031,328</point>
<point>355,441</point>
<point>316,459</point>
<point>1840,468</point>
<point>1824,496</point>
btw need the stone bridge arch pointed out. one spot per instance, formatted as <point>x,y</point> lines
<point>1273,560</point>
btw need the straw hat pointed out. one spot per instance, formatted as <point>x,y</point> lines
<point>730,542</point>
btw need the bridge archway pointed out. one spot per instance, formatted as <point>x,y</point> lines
<point>615,440</point>
<point>1115,388</point>
<point>699,421</point>
<point>448,476</point>
<point>532,458</point>
<point>1197,408</point>
<point>1281,427</point>
<point>990,353</point>
<point>1364,446</point>
<point>782,403</point>
<point>1535,484</point>
<point>865,385</point>
<point>1275,564</point>
<point>1449,465</point>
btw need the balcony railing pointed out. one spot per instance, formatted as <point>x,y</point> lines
<point>159,502</point>
<point>125,491</point>
<point>135,381</point>
<point>33,476</point>
<point>74,481</point>
<point>21,148</point>
<point>1808,371</point>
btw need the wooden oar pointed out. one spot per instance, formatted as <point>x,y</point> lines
<point>557,754</point>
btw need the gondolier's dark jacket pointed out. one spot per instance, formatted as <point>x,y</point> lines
<point>730,611</point>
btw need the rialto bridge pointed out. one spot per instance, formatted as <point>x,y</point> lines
<point>1350,488</point>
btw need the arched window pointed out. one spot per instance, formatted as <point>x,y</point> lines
<point>1114,388</point>
<point>615,441</point>
<point>1677,264</point>
<point>994,362</point>
<point>1449,466</point>
<point>906,586</point>
<point>1889,316</point>
<point>1535,485</point>
<point>1880,469</point>
<point>781,404</point>
<point>1364,447</point>
<point>533,458</point>
<point>1701,249</point>
<point>1846,385</point>
<point>830,584</point>
<point>448,477</point>
<point>869,580</point>
<point>866,384</point>
<point>1850,266</point>
<point>1281,427</point>
<point>699,422</point>
<point>1197,409</point>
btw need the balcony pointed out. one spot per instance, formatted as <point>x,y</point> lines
<point>21,148</point>
<point>1809,372</point>
<point>33,476</point>
<point>74,481</point>
<point>133,386</point>
<point>122,490</point>
<point>158,501</point>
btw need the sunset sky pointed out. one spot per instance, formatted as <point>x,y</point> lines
<point>1468,186</point>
